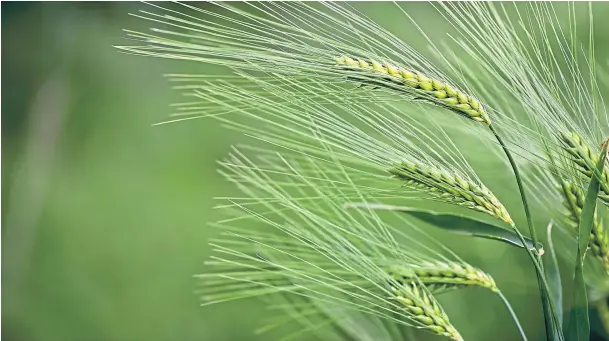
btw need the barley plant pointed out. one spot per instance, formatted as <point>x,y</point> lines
<point>369,151</point>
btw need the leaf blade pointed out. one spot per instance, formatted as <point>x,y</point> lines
<point>457,223</point>
<point>579,326</point>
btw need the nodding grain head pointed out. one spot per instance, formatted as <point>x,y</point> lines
<point>599,240</point>
<point>429,89</point>
<point>425,310</point>
<point>440,276</point>
<point>585,160</point>
<point>451,188</point>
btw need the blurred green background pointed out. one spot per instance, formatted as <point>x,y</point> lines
<point>104,216</point>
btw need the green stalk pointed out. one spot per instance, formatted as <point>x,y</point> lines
<point>551,322</point>
<point>513,314</point>
<point>527,212</point>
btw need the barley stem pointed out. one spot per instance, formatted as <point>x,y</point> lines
<point>513,314</point>
<point>547,303</point>
<point>523,196</point>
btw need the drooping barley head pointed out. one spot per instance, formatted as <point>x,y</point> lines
<point>430,89</point>
<point>451,188</point>
<point>599,240</point>
<point>426,310</point>
<point>585,159</point>
<point>441,276</point>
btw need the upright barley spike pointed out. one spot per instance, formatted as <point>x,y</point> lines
<point>451,188</point>
<point>431,89</point>
<point>599,240</point>
<point>426,310</point>
<point>440,276</point>
<point>586,160</point>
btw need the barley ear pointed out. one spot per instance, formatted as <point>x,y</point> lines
<point>425,310</point>
<point>439,276</point>
<point>432,90</point>
<point>586,159</point>
<point>599,240</point>
<point>451,188</point>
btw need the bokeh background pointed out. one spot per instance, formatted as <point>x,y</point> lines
<point>104,217</point>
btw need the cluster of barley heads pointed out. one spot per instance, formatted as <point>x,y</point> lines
<point>360,161</point>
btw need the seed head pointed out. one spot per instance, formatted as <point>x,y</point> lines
<point>425,310</point>
<point>443,275</point>
<point>586,159</point>
<point>599,240</point>
<point>433,90</point>
<point>451,188</point>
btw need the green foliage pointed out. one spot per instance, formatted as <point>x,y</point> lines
<point>579,326</point>
<point>598,241</point>
<point>457,223</point>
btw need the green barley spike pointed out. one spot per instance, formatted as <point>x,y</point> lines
<point>586,159</point>
<point>451,188</point>
<point>440,276</point>
<point>432,89</point>
<point>426,311</point>
<point>599,240</point>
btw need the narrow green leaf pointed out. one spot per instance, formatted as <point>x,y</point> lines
<point>457,223</point>
<point>579,326</point>
<point>553,275</point>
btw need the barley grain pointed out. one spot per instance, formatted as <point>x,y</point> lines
<point>426,310</point>
<point>432,89</point>
<point>443,275</point>
<point>451,188</point>
<point>599,240</point>
<point>586,159</point>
